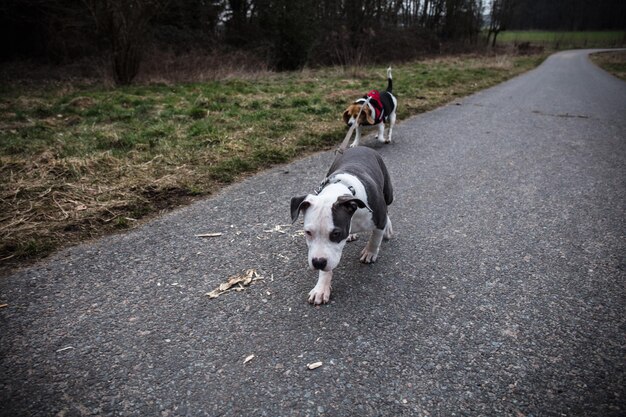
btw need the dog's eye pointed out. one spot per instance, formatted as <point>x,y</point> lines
<point>335,234</point>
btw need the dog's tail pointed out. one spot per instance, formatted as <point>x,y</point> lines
<point>389,80</point>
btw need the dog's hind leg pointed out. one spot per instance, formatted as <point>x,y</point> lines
<point>392,122</point>
<point>381,132</point>
<point>370,251</point>
<point>388,230</point>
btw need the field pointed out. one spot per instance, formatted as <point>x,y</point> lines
<point>78,162</point>
<point>613,62</point>
<point>565,40</point>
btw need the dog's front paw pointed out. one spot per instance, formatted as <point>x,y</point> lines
<point>367,256</point>
<point>352,237</point>
<point>354,144</point>
<point>319,295</point>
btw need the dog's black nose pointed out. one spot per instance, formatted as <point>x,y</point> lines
<point>319,263</point>
<point>350,124</point>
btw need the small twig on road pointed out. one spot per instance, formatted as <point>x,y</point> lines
<point>217,234</point>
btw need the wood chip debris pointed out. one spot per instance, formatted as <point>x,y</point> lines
<point>314,365</point>
<point>236,283</point>
<point>277,229</point>
<point>248,358</point>
<point>3,305</point>
<point>217,234</point>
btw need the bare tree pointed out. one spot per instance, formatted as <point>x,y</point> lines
<point>125,24</point>
<point>500,17</point>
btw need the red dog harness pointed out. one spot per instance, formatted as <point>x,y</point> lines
<point>375,102</point>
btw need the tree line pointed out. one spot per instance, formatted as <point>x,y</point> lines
<point>571,15</point>
<point>288,34</point>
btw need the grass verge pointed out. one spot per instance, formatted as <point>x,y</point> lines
<point>613,62</point>
<point>79,162</point>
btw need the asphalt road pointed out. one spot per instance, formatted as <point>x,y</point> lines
<point>503,292</point>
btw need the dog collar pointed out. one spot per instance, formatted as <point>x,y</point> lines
<point>327,181</point>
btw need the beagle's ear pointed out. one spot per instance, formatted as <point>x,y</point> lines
<point>368,116</point>
<point>298,204</point>
<point>346,116</point>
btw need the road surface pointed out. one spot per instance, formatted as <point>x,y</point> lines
<point>502,293</point>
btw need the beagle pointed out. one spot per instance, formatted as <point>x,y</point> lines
<point>380,108</point>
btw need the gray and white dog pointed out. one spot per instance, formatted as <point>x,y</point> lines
<point>353,198</point>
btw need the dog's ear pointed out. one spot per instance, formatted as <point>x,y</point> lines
<point>350,203</point>
<point>346,116</point>
<point>298,204</point>
<point>368,116</point>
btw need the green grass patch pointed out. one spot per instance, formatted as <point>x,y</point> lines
<point>80,162</point>
<point>565,39</point>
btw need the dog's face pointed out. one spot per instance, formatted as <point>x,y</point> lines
<point>326,226</point>
<point>351,113</point>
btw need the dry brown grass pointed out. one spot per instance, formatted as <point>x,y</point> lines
<point>613,62</point>
<point>50,201</point>
<point>169,68</point>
